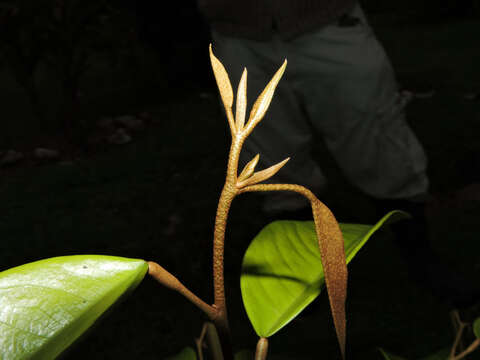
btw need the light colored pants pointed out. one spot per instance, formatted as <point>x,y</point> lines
<point>339,83</point>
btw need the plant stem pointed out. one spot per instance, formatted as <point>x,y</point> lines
<point>199,342</point>
<point>213,342</point>
<point>228,194</point>
<point>209,332</point>
<point>469,350</point>
<point>168,280</point>
<point>262,349</point>
<point>459,327</point>
<point>239,133</point>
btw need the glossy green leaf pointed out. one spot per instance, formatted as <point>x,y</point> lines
<point>46,305</point>
<point>476,327</point>
<point>282,272</point>
<point>442,354</point>
<point>186,354</point>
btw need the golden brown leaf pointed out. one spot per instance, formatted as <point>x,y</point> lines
<point>263,102</point>
<point>241,106</point>
<point>224,87</point>
<point>332,253</point>
<point>262,175</point>
<point>248,169</point>
<point>223,82</point>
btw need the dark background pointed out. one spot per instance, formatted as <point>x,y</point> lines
<point>155,197</point>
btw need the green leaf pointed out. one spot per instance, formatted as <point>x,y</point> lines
<point>282,272</point>
<point>476,328</point>
<point>186,354</point>
<point>46,305</point>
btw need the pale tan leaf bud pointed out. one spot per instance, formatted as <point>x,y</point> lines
<point>224,87</point>
<point>263,102</point>
<point>223,82</point>
<point>262,175</point>
<point>248,169</point>
<point>241,106</point>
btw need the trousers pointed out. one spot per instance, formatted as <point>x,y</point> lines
<point>339,83</point>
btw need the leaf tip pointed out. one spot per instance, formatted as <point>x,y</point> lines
<point>262,175</point>
<point>247,171</point>
<point>241,101</point>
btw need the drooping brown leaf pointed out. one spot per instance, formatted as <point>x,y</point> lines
<point>332,253</point>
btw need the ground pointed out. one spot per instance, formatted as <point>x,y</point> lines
<point>156,198</point>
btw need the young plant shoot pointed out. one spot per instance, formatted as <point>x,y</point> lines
<point>330,239</point>
<point>302,256</point>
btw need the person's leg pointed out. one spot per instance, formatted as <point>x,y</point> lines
<point>284,132</point>
<point>350,93</point>
<point>348,87</point>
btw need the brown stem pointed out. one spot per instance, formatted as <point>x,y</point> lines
<point>228,194</point>
<point>209,333</point>
<point>213,342</point>
<point>459,326</point>
<point>219,247</point>
<point>199,342</point>
<point>458,337</point>
<point>262,349</point>
<point>171,282</point>
<point>469,350</point>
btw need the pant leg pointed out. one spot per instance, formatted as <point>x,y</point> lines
<point>284,132</point>
<point>348,86</point>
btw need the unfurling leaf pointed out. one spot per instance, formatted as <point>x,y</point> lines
<point>224,87</point>
<point>241,107</point>
<point>262,175</point>
<point>223,82</point>
<point>248,169</point>
<point>263,102</point>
